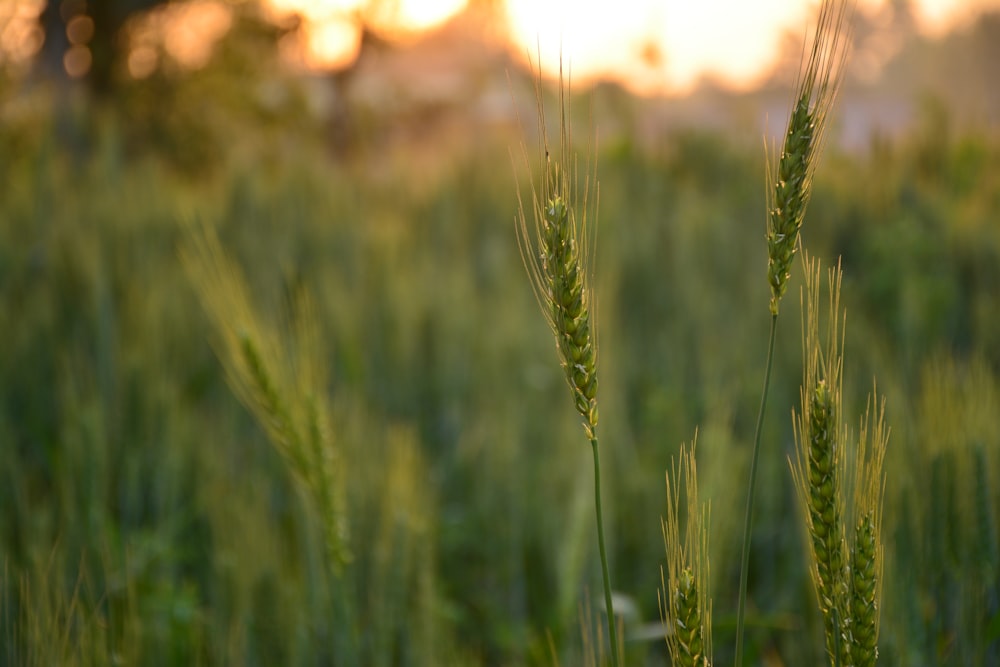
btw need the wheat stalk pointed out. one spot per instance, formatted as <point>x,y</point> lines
<point>820,464</point>
<point>556,247</point>
<point>816,90</point>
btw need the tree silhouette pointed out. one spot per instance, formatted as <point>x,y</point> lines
<point>106,42</point>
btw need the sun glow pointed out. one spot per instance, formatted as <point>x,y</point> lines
<point>651,46</point>
<point>666,46</point>
<point>187,32</point>
<point>938,16</point>
<point>331,33</point>
<point>655,46</point>
<point>20,35</point>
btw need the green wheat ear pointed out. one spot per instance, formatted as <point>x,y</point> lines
<point>285,391</point>
<point>790,183</point>
<point>867,550</point>
<point>685,606</point>
<point>844,540</point>
<point>820,466</point>
<point>556,247</point>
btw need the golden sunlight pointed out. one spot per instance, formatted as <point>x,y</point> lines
<point>187,32</point>
<point>654,46</point>
<point>938,16</point>
<point>20,35</point>
<point>331,32</point>
<point>666,46</point>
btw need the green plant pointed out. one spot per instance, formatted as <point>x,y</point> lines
<point>844,538</point>
<point>557,250</point>
<point>280,376</point>
<point>820,471</point>
<point>284,388</point>
<point>788,197</point>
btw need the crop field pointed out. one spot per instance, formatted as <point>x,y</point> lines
<point>269,401</point>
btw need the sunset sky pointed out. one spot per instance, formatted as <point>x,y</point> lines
<point>650,45</point>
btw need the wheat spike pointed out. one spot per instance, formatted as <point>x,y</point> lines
<point>790,185</point>
<point>556,248</point>
<point>864,608</point>
<point>866,552</point>
<point>284,392</point>
<point>819,469</point>
<point>684,603</point>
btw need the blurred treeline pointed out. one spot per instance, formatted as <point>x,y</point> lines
<point>145,519</point>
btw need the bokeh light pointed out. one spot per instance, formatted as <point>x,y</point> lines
<point>21,36</point>
<point>77,61</point>
<point>187,32</point>
<point>330,36</point>
<point>80,29</point>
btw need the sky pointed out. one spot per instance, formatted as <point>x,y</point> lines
<point>651,46</point>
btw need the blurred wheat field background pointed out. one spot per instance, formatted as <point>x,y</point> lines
<point>147,518</point>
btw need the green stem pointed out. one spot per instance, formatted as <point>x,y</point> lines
<point>748,521</point>
<point>612,622</point>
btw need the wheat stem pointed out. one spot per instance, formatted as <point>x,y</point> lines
<point>605,573</point>
<point>751,488</point>
<point>788,196</point>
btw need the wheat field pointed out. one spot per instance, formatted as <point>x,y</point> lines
<point>298,410</point>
